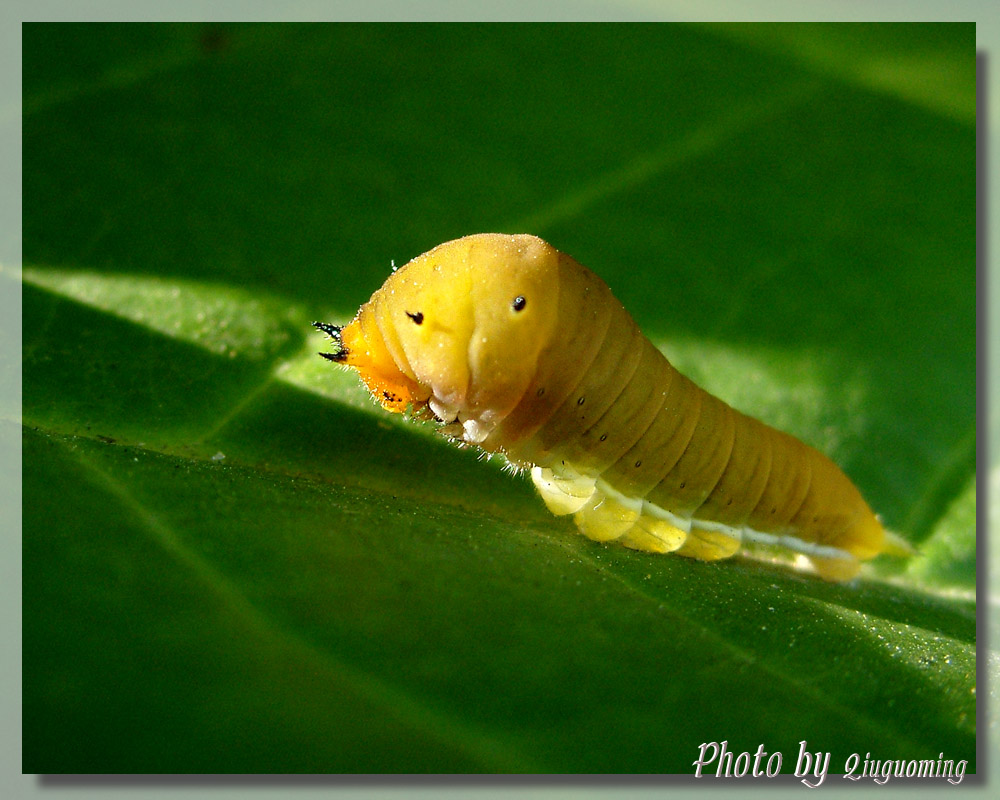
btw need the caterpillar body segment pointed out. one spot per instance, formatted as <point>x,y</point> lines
<point>518,349</point>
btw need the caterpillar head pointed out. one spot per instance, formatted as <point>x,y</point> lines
<point>457,331</point>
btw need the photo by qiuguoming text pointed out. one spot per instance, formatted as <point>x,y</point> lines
<point>814,767</point>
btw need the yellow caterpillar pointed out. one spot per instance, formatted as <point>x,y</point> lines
<point>517,348</point>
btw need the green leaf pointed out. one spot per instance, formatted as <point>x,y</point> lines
<point>234,562</point>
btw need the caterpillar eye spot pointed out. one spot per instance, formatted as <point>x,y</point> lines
<point>540,392</point>
<point>581,401</point>
<point>638,464</point>
<point>519,303</point>
<point>683,484</point>
<point>418,317</point>
<point>604,437</point>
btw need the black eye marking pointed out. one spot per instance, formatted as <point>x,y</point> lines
<point>519,303</point>
<point>417,318</point>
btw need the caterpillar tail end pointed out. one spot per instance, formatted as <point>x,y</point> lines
<point>896,545</point>
<point>845,569</point>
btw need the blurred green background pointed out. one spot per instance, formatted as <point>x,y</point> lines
<point>234,562</point>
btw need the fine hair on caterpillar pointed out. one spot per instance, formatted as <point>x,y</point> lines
<point>516,348</point>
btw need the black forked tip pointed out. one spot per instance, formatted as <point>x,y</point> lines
<point>333,331</point>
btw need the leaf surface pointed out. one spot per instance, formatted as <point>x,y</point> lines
<point>233,562</point>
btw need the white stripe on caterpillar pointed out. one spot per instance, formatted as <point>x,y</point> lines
<point>516,348</point>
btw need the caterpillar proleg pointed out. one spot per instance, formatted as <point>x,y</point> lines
<point>516,348</point>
